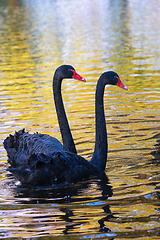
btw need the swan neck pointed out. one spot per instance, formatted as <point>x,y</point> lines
<point>101,145</point>
<point>68,143</point>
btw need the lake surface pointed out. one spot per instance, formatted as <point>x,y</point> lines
<point>94,36</point>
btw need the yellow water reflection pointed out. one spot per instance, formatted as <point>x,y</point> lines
<point>34,47</point>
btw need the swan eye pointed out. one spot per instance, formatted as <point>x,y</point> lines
<point>74,72</point>
<point>71,70</point>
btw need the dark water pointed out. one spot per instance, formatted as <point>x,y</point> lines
<point>93,36</point>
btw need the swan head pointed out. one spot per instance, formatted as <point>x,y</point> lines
<point>112,78</point>
<point>67,71</point>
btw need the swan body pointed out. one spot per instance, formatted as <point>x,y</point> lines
<point>33,165</point>
<point>62,166</point>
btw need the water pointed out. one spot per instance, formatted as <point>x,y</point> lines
<point>93,36</point>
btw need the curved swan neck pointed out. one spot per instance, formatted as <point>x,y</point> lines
<point>68,143</point>
<point>101,145</point>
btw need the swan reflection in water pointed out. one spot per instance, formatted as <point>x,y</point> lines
<point>64,194</point>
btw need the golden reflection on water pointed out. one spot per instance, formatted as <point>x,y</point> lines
<point>93,36</point>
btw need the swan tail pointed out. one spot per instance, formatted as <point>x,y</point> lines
<point>11,144</point>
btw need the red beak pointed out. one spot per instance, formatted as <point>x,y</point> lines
<point>77,76</point>
<point>121,85</point>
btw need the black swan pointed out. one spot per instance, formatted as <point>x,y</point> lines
<point>22,145</point>
<point>60,166</point>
